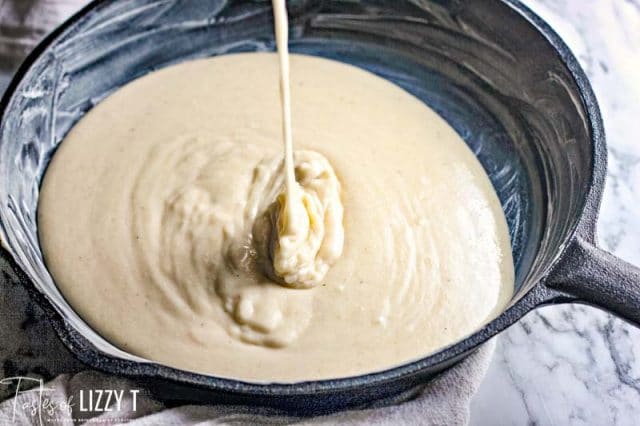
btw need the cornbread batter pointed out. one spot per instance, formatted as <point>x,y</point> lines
<point>163,219</point>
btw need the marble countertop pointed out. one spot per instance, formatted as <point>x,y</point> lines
<point>574,364</point>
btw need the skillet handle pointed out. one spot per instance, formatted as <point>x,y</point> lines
<point>598,278</point>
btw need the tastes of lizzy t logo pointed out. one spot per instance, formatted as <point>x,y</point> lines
<point>44,407</point>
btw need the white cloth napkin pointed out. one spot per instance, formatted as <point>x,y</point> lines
<point>444,401</point>
<point>30,350</point>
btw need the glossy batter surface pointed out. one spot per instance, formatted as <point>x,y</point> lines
<point>154,220</point>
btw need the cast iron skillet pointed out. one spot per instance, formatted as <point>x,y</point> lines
<point>495,71</point>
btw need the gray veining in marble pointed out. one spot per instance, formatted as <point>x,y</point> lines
<point>573,364</point>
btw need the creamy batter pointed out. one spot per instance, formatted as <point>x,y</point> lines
<point>307,219</point>
<point>159,221</point>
